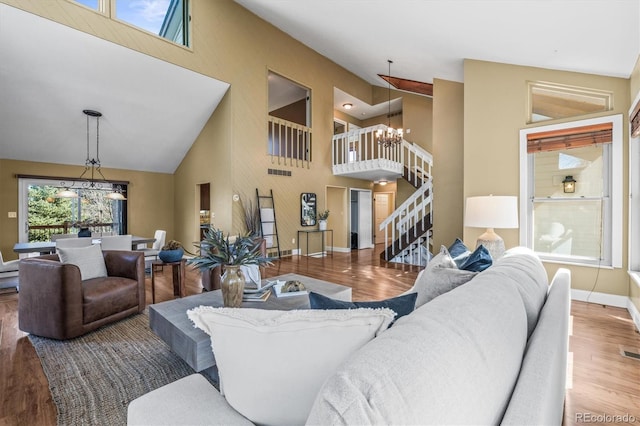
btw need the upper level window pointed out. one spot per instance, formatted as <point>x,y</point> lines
<point>549,101</point>
<point>167,18</point>
<point>571,191</point>
<point>289,133</point>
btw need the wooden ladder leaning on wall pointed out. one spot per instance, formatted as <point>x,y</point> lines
<point>268,225</point>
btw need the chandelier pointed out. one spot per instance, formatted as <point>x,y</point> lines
<point>92,177</point>
<point>391,136</point>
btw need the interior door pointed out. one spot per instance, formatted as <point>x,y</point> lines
<point>382,206</point>
<point>365,237</point>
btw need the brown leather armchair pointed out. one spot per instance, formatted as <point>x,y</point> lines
<point>55,303</point>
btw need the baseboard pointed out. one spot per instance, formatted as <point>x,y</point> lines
<point>635,314</point>
<point>340,249</point>
<point>599,298</point>
<point>609,300</point>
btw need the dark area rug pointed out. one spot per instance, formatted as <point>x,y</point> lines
<point>94,377</point>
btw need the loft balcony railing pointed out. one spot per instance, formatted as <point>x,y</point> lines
<point>289,142</point>
<point>359,150</point>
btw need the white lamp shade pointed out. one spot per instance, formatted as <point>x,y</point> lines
<point>491,212</point>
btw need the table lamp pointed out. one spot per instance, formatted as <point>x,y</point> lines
<point>491,212</point>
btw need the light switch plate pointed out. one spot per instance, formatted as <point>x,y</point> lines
<point>12,215</point>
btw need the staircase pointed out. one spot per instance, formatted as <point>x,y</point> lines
<point>357,154</point>
<point>408,228</point>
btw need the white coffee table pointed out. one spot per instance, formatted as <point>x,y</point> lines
<point>169,319</point>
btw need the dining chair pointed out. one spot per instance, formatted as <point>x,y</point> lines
<point>151,254</point>
<point>116,242</point>
<point>56,237</point>
<point>73,242</point>
<point>8,268</point>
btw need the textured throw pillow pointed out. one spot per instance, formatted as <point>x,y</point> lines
<point>440,276</point>
<point>89,259</point>
<point>401,305</point>
<point>477,261</point>
<point>272,363</point>
<point>458,248</point>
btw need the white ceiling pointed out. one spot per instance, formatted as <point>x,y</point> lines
<point>429,39</point>
<point>49,72</point>
<point>152,110</point>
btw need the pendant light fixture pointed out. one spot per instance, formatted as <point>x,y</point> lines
<point>391,136</point>
<point>92,177</point>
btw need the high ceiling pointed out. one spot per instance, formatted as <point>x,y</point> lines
<point>429,39</point>
<point>152,110</point>
<point>44,92</point>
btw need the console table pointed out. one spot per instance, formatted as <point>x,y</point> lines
<point>314,231</point>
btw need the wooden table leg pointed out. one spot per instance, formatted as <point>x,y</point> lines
<point>182,284</point>
<point>153,284</point>
<point>175,272</point>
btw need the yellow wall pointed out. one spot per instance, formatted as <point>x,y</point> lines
<point>448,140</point>
<point>231,150</point>
<point>495,109</point>
<point>150,198</point>
<point>241,123</point>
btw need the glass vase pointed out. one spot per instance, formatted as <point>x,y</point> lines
<point>232,285</point>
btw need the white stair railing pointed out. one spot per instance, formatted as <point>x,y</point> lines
<point>359,150</point>
<point>402,223</point>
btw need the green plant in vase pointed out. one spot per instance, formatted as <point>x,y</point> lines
<point>218,249</point>
<point>322,220</point>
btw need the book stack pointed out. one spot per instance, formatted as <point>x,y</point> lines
<point>257,293</point>
<point>259,296</point>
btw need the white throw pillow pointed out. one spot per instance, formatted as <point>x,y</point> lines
<point>272,363</point>
<point>89,259</point>
<point>440,276</point>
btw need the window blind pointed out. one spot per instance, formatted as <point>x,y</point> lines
<point>575,137</point>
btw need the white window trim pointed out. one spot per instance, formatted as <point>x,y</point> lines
<point>634,202</point>
<point>613,241</point>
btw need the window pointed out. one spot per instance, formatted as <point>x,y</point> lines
<point>43,214</point>
<point>583,226</point>
<point>93,4</point>
<point>548,101</point>
<point>289,123</point>
<point>167,18</point>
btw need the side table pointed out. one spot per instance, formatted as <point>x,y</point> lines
<point>177,272</point>
<point>322,234</point>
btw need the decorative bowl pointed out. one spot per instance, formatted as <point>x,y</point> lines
<point>169,256</point>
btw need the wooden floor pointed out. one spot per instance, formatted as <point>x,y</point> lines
<point>602,382</point>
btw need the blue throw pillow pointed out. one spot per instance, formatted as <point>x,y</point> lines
<point>401,305</point>
<point>458,248</point>
<point>477,261</point>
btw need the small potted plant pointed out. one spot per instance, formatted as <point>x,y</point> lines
<point>322,220</point>
<point>229,253</point>
<point>171,252</point>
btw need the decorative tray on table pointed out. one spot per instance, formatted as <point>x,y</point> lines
<point>289,288</point>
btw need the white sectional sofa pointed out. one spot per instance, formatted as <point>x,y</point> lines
<point>491,351</point>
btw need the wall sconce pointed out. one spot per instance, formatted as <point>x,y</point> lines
<point>569,184</point>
